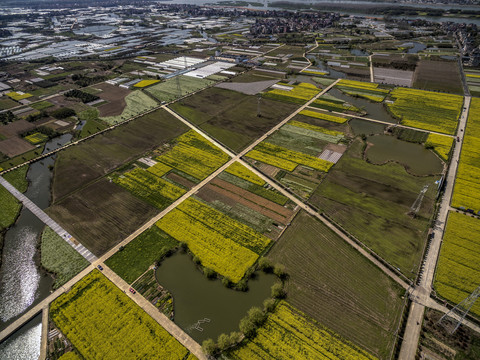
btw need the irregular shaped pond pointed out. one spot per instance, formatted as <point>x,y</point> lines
<point>415,157</point>
<point>197,299</point>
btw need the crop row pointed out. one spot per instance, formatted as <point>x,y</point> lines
<point>441,144</point>
<point>467,184</point>
<point>225,225</point>
<point>103,323</point>
<point>214,250</point>
<point>242,172</point>
<point>327,103</point>
<point>289,334</point>
<point>286,158</point>
<point>426,109</point>
<point>458,272</point>
<point>149,187</point>
<point>300,93</point>
<point>194,156</point>
<point>323,116</point>
<point>370,91</point>
<point>292,129</point>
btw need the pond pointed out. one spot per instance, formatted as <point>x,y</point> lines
<point>206,308</point>
<point>366,127</point>
<point>376,111</point>
<point>415,157</point>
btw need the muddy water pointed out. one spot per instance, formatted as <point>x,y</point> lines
<point>205,308</point>
<point>21,282</point>
<point>374,110</point>
<point>366,127</point>
<point>415,157</point>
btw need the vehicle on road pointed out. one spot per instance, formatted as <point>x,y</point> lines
<point>132,290</point>
<point>100,267</point>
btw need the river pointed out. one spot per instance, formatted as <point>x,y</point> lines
<point>22,284</point>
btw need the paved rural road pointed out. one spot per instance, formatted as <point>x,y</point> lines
<point>421,295</point>
<point>159,317</point>
<point>302,205</point>
<point>372,78</point>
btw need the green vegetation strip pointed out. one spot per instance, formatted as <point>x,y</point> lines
<point>60,258</point>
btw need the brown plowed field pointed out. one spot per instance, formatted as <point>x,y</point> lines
<point>116,99</point>
<point>180,180</point>
<point>15,128</point>
<point>15,146</point>
<point>255,202</point>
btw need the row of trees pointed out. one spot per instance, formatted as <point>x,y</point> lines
<point>82,95</point>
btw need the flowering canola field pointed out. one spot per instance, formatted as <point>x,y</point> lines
<point>194,155</point>
<point>427,110</point>
<point>222,243</point>
<point>103,323</point>
<point>323,116</point>
<point>458,271</point>
<point>369,91</point>
<point>149,187</point>
<point>286,159</point>
<point>441,144</point>
<point>467,184</point>
<point>300,93</point>
<point>242,172</point>
<point>289,334</point>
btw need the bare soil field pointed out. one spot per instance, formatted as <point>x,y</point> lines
<point>15,128</point>
<point>116,99</point>
<point>426,76</point>
<point>393,76</point>
<point>255,202</point>
<point>250,88</point>
<point>78,165</point>
<point>231,117</point>
<point>331,282</point>
<point>15,146</point>
<point>101,215</point>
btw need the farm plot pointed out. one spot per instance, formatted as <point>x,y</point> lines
<point>458,270</point>
<point>372,202</point>
<point>137,103</point>
<point>103,323</point>
<point>140,253</point>
<point>115,98</point>
<point>426,76</point>
<point>36,138</point>
<point>101,214</point>
<point>222,244</point>
<point>231,117</point>
<point>440,144</point>
<point>289,334</point>
<point>466,192</point>
<point>323,116</point>
<point>393,76</point>
<point>286,159</point>
<point>149,187</point>
<point>248,88</point>
<point>9,206</point>
<point>194,155</point>
<point>85,162</point>
<point>60,258</point>
<point>426,110</point>
<point>370,91</point>
<point>167,90</point>
<point>473,81</point>
<point>335,285</point>
<point>298,94</point>
<point>242,172</point>
<point>331,103</point>
<point>15,146</point>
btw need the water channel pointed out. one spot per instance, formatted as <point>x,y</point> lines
<point>415,157</point>
<point>206,308</point>
<point>21,281</point>
<point>376,111</point>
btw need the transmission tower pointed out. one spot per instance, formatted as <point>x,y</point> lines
<point>177,78</point>
<point>259,103</point>
<point>462,309</point>
<point>418,202</point>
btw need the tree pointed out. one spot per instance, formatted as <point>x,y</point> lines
<point>209,347</point>
<point>256,315</point>
<point>209,273</point>
<point>265,265</point>
<point>279,270</point>
<point>277,291</point>
<point>269,305</point>
<point>247,327</point>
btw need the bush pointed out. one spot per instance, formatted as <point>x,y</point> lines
<point>269,305</point>
<point>209,273</point>
<point>265,265</point>
<point>63,113</point>
<point>247,327</point>
<point>277,291</point>
<point>279,270</point>
<point>209,347</point>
